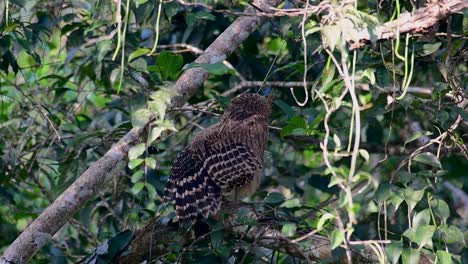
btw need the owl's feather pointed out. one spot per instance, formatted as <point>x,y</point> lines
<point>224,157</point>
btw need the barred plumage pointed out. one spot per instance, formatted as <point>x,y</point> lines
<point>224,157</point>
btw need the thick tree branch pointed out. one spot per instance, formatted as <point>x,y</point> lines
<point>422,20</point>
<point>40,231</point>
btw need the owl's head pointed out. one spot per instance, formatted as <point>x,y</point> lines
<point>249,105</point>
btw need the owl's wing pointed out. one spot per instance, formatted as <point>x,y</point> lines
<point>231,165</point>
<point>190,188</point>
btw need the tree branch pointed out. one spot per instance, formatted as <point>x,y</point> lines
<point>423,19</point>
<point>41,230</point>
<point>155,239</point>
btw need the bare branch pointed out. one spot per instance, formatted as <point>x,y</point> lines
<point>422,20</point>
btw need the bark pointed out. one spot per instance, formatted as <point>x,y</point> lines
<point>421,21</point>
<point>41,230</point>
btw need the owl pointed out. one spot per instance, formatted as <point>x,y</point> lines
<point>222,159</point>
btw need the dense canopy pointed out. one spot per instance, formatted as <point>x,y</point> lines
<point>366,160</point>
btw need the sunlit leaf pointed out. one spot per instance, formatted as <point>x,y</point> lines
<point>137,53</point>
<point>136,151</point>
<point>150,162</point>
<point>452,234</point>
<point>421,235</point>
<point>410,256</point>
<point>134,163</point>
<point>138,187</point>
<point>141,117</point>
<point>332,34</point>
<point>337,238</point>
<point>444,257</point>
<point>291,203</point>
<point>159,107</point>
<point>323,219</point>
<point>428,158</point>
<point>364,154</point>
<point>412,197</point>
<point>289,229</point>
<point>137,176</point>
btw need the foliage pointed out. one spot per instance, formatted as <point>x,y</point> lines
<point>73,81</point>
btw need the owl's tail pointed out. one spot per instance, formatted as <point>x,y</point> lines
<point>193,196</point>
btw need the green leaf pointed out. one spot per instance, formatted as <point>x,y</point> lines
<point>441,209</point>
<point>137,176</point>
<point>317,120</point>
<point>312,30</point>
<point>151,191</point>
<point>134,163</point>
<point>274,198</point>
<point>138,187</point>
<point>416,135</point>
<point>412,197</point>
<point>328,73</point>
<point>422,218</point>
<point>150,162</point>
<point>452,234</point>
<point>155,133</point>
<point>214,68</point>
<point>159,107</point>
<point>169,65</point>
<point>137,53</point>
<point>289,229</point>
<point>428,158</point>
<point>192,17</point>
<point>163,95</point>
<point>384,192</point>
<point>337,237</point>
<point>369,73</point>
<point>364,154</point>
<point>140,65</point>
<point>25,60</point>
<point>288,110</point>
<point>291,203</point>
<point>421,235</point>
<point>331,34</point>
<point>136,151</point>
<point>396,198</point>
<point>429,48</point>
<point>119,242</point>
<point>410,256</point>
<point>444,257</point>
<point>293,125</point>
<point>393,251</point>
<point>141,117</point>
<point>322,220</point>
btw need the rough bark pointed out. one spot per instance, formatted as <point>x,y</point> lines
<point>41,230</point>
<point>421,21</point>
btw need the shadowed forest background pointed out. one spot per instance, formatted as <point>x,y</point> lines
<point>366,160</point>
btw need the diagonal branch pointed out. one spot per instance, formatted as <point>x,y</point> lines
<point>41,230</point>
